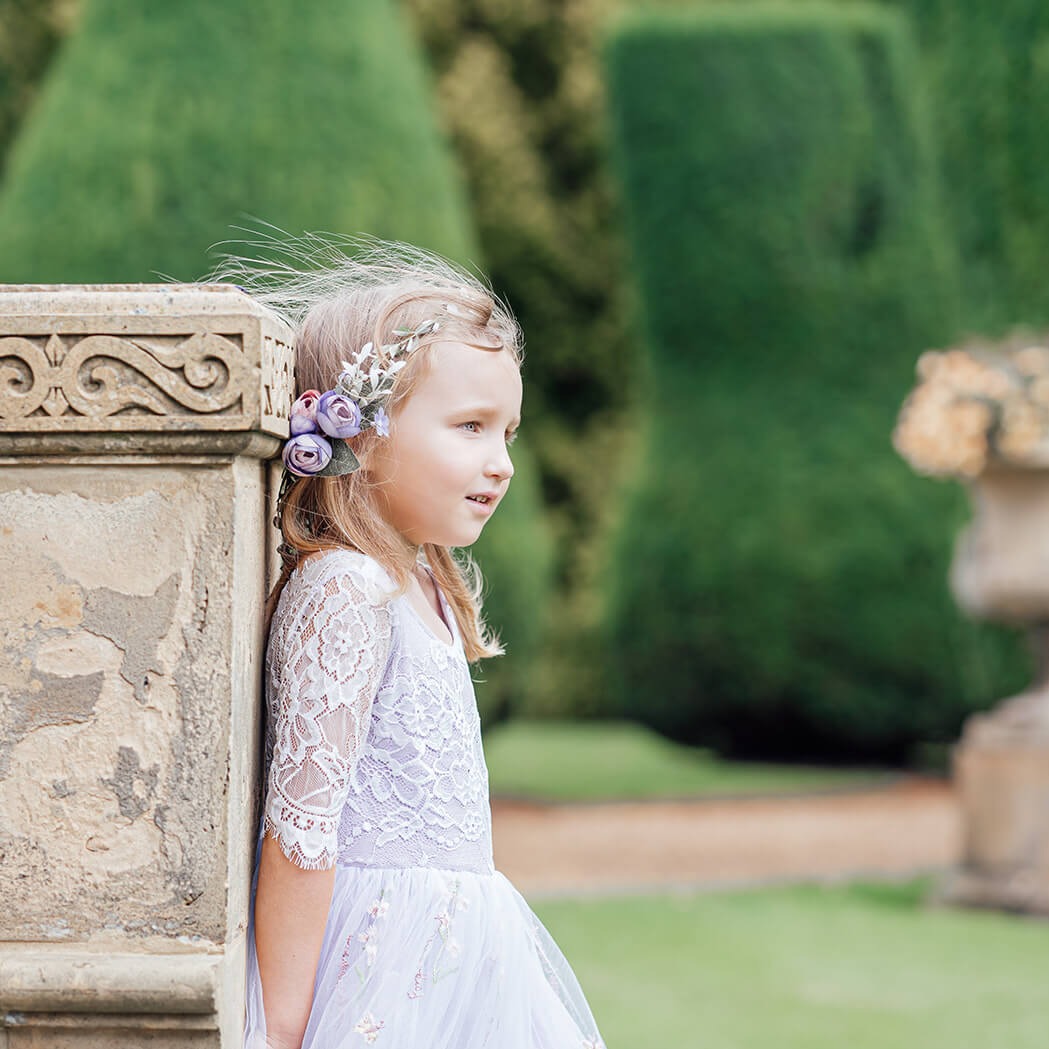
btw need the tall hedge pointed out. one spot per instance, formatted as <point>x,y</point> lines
<point>778,579</point>
<point>161,125</point>
<point>987,66</point>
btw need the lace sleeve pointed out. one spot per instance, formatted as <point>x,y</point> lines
<point>331,664</point>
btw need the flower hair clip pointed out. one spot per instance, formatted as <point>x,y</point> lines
<point>321,422</point>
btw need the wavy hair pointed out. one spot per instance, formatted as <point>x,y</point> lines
<point>337,293</point>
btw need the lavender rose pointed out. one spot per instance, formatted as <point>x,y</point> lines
<point>306,454</point>
<point>304,413</point>
<point>337,415</point>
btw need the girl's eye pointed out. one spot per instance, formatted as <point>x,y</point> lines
<point>473,427</point>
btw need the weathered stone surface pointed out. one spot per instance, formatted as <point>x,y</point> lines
<point>134,554</point>
<point>139,643</point>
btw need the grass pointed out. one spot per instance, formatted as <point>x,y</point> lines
<point>806,967</point>
<point>594,761</point>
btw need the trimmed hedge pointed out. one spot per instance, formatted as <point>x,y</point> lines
<point>161,125</point>
<point>778,583</point>
<point>987,66</point>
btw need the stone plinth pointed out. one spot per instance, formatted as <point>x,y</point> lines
<point>135,422</point>
<point>1001,767</point>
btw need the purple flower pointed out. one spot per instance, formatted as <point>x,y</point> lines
<point>304,413</point>
<point>306,454</point>
<point>381,422</point>
<point>337,415</point>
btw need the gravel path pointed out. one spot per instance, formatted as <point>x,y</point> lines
<point>910,826</point>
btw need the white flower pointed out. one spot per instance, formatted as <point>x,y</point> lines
<point>443,921</point>
<point>379,908</point>
<point>453,947</point>
<point>368,1029</point>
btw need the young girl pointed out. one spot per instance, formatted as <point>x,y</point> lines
<point>378,915</point>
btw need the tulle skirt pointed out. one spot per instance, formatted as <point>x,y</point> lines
<point>419,958</point>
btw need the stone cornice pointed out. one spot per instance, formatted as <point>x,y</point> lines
<point>139,359</point>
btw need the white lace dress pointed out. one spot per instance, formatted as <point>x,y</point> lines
<point>375,765</point>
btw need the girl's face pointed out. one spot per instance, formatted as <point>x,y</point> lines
<point>445,466</point>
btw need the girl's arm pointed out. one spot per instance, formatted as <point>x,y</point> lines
<point>291,909</point>
<point>333,658</point>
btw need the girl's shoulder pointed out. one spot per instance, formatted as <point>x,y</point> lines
<point>352,570</point>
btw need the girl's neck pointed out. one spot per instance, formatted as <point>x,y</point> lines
<point>408,553</point>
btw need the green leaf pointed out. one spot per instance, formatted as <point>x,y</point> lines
<point>343,461</point>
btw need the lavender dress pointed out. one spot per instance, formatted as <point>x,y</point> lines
<point>375,765</point>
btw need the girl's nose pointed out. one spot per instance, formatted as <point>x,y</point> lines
<point>500,465</point>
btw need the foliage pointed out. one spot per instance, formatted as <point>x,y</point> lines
<point>520,92</point>
<point>780,573</point>
<point>805,967</point>
<point>160,126</point>
<point>987,68</point>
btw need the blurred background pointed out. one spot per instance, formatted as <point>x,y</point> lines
<point>729,230</point>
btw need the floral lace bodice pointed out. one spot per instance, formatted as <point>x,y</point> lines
<point>373,740</point>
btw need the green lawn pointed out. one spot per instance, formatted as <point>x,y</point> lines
<point>566,761</point>
<point>806,967</point>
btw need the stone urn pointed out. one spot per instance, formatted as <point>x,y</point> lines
<point>1000,571</point>
<point>980,414</point>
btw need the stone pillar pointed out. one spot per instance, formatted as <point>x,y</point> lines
<point>135,422</point>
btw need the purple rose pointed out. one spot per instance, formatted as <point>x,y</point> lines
<point>337,415</point>
<point>304,413</point>
<point>381,422</point>
<point>306,454</point>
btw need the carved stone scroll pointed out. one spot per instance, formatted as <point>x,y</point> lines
<point>219,362</point>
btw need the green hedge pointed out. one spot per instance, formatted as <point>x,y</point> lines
<point>160,125</point>
<point>778,579</point>
<point>987,66</point>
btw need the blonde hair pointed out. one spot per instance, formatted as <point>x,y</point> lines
<point>336,302</point>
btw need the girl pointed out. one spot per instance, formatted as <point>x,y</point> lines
<point>378,915</point>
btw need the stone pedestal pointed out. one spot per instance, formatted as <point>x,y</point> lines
<point>135,422</point>
<point>1001,765</point>
<point>1001,768</point>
